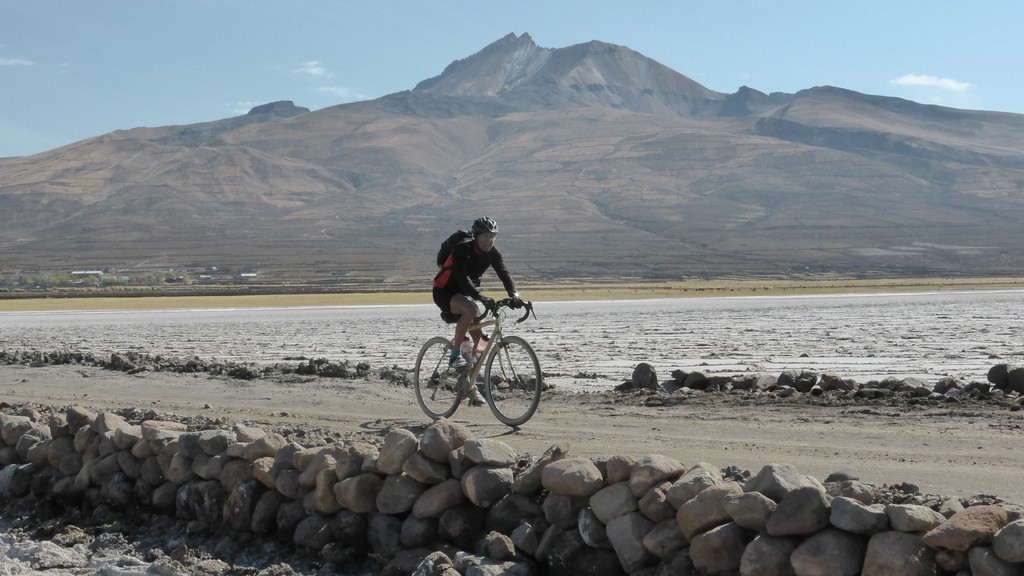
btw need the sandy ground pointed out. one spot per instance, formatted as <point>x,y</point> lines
<point>957,449</point>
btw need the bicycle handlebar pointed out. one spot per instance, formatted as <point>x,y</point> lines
<point>512,303</point>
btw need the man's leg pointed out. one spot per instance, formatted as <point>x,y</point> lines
<point>465,307</point>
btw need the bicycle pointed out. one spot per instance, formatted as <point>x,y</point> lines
<point>512,380</point>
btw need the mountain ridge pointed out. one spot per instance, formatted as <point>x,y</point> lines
<point>598,162</point>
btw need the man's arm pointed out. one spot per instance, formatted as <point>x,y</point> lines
<point>498,263</point>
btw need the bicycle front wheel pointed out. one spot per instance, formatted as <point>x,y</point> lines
<point>437,385</point>
<point>513,381</point>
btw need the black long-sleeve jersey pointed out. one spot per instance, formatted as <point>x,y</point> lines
<point>466,264</point>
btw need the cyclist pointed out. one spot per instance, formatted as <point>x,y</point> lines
<point>455,286</point>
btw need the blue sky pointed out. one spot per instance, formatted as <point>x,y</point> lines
<point>70,70</point>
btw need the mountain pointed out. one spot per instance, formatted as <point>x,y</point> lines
<point>597,161</point>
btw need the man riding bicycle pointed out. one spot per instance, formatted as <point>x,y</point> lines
<point>455,285</point>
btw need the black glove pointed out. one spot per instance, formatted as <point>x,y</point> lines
<point>516,302</point>
<point>487,302</point>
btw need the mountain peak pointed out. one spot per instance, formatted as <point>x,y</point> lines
<point>281,109</point>
<point>591,74</point>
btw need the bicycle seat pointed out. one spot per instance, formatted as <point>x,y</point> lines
<point>449,318</point>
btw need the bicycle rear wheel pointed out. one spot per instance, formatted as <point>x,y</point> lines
<point>437,385</point>
<point>513,381</point>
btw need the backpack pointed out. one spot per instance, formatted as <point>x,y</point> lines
<point>448,244</point>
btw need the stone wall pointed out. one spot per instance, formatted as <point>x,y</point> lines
<point>446,503</point>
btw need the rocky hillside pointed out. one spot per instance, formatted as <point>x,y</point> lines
<point>597,162</point>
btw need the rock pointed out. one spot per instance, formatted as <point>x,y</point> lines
<point>313,532</point>
<point>264,514</point>
<point>852,489</point>
<point>398,494</point>
<point>425,470</point>
<point>179,471</point>
<point>118,492</point>
<point>913,517</point>
<point>572,477</point>
<point>720,549</point>
<point>1015,379</point>
<point>644,377</point>
<point>831,381</point>
<point>524,537</point>
<point>692,483</point>
<point>529,481</point>
<point>776,480</point>
<point>563,511</point>
<point>768,556</point>
<point>831,552</point>
<point>289,515</point>
<point>319,460</point>
<point>651,470</point>
<point>79,417</point>
<point>384,534</point>
<point>1008,542</point>
<point>438,498</point>
<point>462,525</point>
<point>442,437</point>
<point>241,504</point>
<point>895,553</point>
<point>997,375</point>
<point>850,515</point>
<point>234,470</point>
<point>804,381</point>
<point>324,500</point>
<point>802,511</point>
<point>984,562</point>
<point>949,507</point>
<point>352,536</point>
<point>950,560</point>
<point>613,501</point>
<point>972,526</point>
<point>626,534</point>
<point>398,445</point>
<point>490,452</point>
<point>287,483</point>
<point>485,485</point>
<point>696,381</point>
<point>263,471</point>
<point>350,460</point>
<point>213,442</point>
<point>499,547</point>
<point>750,510</point>
<point>655,505</point>
<point>264,446</point>
<point>665,539</point>
<point>618,468</point>
<point>706,510</point>
<point>511,511</point>
<point>592,530</point>
<point>358,493</point>
<point>418,532</point>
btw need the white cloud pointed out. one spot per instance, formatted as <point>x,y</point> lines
<point>932,81</point>
<point>16,62</point>
<point>314,68</point>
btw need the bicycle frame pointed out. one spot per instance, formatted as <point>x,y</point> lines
<point>495,337</point>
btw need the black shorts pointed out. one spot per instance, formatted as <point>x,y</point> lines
<point>443,298</point>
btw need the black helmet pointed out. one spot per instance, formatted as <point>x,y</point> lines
<point>481,225</point>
